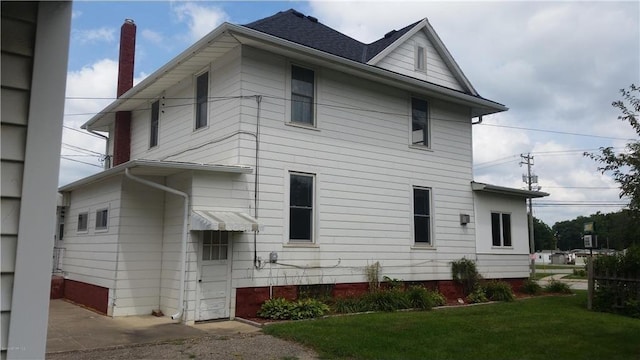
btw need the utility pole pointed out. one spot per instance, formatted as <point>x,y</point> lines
<point>530,180</point>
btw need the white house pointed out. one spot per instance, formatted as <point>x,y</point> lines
<point>282,156</point>
<point>35,46</point>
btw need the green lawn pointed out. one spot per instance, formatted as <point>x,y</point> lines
<point>540,328</point>
<point>540,275</point>
<point>550,267</point>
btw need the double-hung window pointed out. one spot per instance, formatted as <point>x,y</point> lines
<point>202,99</point>
<point>215,245</point>
<point>422,216</point>
<point>83,221</point>
<point>102,219</point>
<point>301,207</point>
<point>501,229</point>
<point>155,120</point>
<point>302,95</point>
<point>419,122</point>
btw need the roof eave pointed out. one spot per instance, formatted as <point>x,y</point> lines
<point>482,187</point>
<point>162,168</point>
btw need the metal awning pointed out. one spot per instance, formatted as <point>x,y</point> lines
<point>222,220</point>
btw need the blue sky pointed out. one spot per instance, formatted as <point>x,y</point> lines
<point>556,65</point>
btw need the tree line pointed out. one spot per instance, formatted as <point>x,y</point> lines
<point>617,230</point>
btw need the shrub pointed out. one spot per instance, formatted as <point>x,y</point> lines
<point>580,272</point>
<point>477,296</point>
<point>558,287</point>
<point>388,300</point>
<point>282,309</point>
<point>531,287</point>
<point>276,309</point>
<point>350,305</point>
<point>464,272</point>
<point>308,309</point>
<point>499,291</point>
<point>425,299</point>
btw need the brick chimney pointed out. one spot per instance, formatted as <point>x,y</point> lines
<point>122,129</point>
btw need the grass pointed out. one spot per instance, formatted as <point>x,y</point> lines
<point>552,267</point>
<point>548,327</point>
<point>572,276</point>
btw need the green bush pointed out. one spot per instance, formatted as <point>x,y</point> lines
<point>282,309</point>
<point>388,300</point>
<point>276,309</point>
<point>579,272</point>
<point>423,298</point>
<point>499,291</point>
<point>613,293</point>
<point>350,305</point>
<point>531,287</point>
<point>477,295</point>
<point>557,287</point>
<point>464,272</point>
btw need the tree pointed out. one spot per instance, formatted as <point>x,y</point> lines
<point>625,166</point>
<point>543,235</point>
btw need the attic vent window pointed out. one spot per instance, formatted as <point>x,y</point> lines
<point>387,35</point>
<point>313,19</point>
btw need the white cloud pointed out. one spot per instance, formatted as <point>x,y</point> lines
<point>76,14</point>
<point>152,36</point>
<point>94,35</point>
<point>200,19</point>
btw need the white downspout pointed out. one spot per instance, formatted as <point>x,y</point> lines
<point>185,230</point>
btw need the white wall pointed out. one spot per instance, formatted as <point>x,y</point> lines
<point>140,238</point>
<point>177,139</point>
<point>402,60</point>
<point>91,256</point>
<point>365,170</point>
<point>35,44</point>
<point>502,262</point>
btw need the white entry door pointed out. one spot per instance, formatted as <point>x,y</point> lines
<point>213,282</point>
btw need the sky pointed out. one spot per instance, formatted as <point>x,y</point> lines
<point>557,66</point>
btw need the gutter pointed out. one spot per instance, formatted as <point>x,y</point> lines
<point>185,231</point>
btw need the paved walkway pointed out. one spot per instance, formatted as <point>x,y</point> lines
<point>72,327</point>
<point>575,284</point>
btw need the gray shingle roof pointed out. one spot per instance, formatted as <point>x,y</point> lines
<point>306,30</point>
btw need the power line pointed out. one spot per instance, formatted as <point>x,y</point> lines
<point>556,132</point>
<point>81,132</point>
<point>80,161</point>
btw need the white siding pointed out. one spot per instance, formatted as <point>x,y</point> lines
<point>35,43</point>
<point>402,60</point>
<point>137,289</point>
<point>90,256</point>
<point>502,262</point>
<point>171,251</point>
<point>177,139</point>
<point>365,170</point>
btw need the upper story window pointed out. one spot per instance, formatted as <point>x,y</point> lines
<point>202,99</point>
<point>302,95</point>
<point>155,120</point>
<point>421,58</point>
<point>422,216</point>
<point>83,221</point>
<point>501,229</point>
<point>419,122</point>
<point>301,207</point>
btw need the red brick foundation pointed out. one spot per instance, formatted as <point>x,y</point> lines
<point>91,296</point>
<point>57,287</point>
<point>249,300</point>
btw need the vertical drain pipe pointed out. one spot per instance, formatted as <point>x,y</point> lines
<point>185,229</point>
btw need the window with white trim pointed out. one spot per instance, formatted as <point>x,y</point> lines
<point>102,219</point>
<point>501,229</point>
<point>301,212</point>
<point>202,99</point>
<point>419,122</point>
<point>421,58</point>
<point>302,95</point>
<point>422,215</point>
<point>155,121</point>
<point>215,245</point>
<point>83,221</point>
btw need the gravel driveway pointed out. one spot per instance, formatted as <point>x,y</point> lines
<point>236,347</point>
